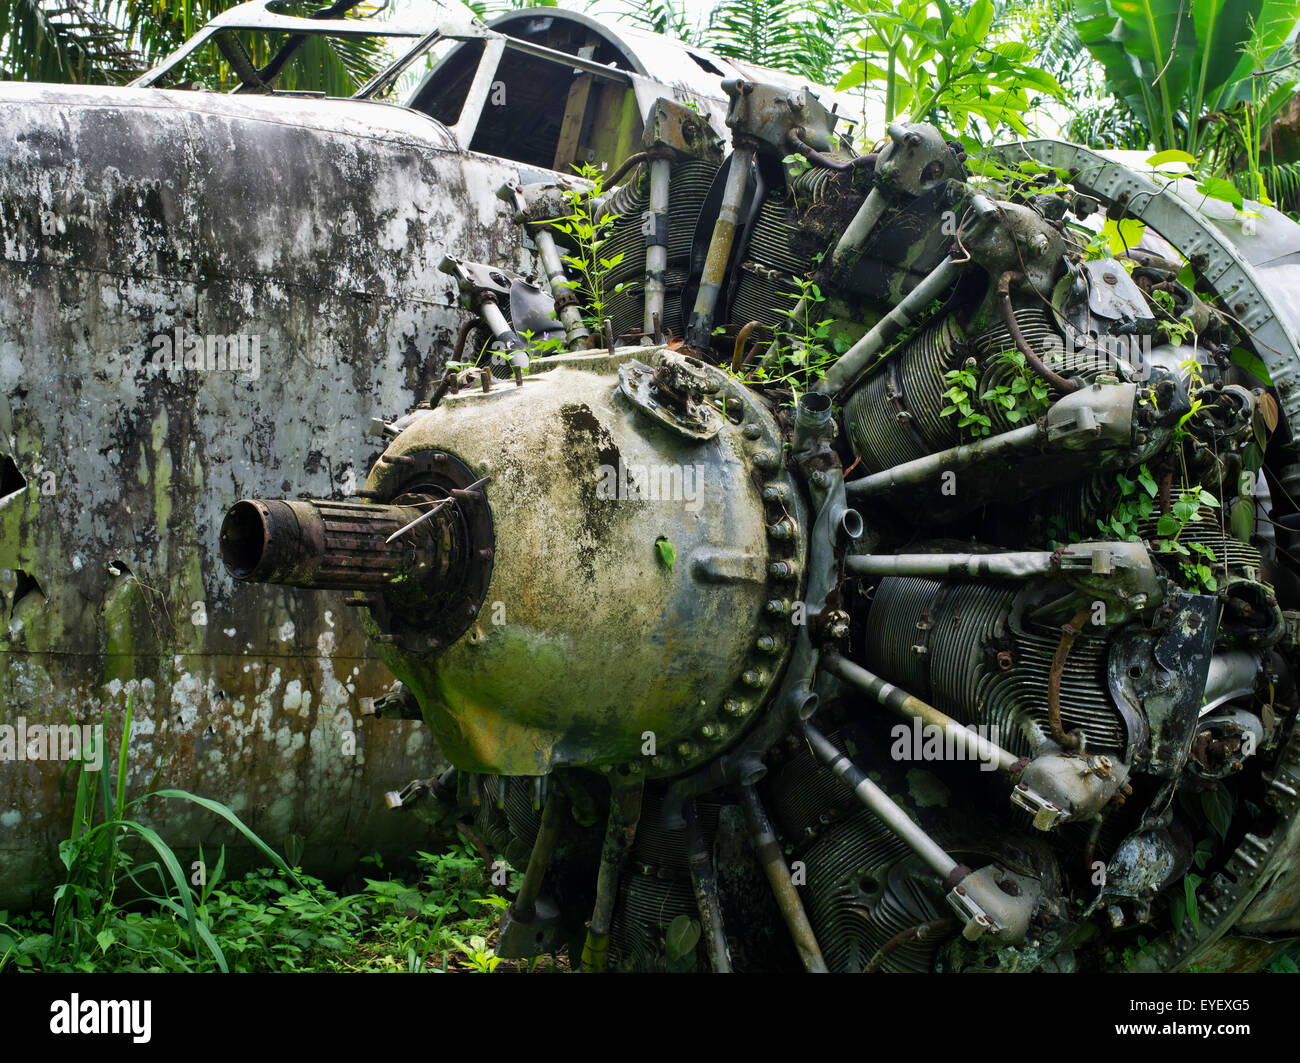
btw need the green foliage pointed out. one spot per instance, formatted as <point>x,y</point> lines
<point>1287,961</point>
<point>1177,330</point>
<point>1138,490</point>
<point>275,919</point>
<point>940,64</point>
<point>1194,559</point>
<point>1172,62</point>
<point>806,346</point>
<point>794,35</point>
<point>588,235</point>
<point>963,387</point>
<point>1020,396</point>
<point>78,44</point>
<point>271,920</point>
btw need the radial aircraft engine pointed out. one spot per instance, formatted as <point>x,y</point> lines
<point>872,569</point>
<point>210,293</point>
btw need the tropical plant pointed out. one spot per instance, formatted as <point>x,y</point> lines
<point>80,43</point>
<point>803,38</point>
<point>942,65</point>
<point>588,232</point>
<point>1178,64</point>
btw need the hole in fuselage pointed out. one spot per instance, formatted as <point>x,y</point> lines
<point>11,480</point>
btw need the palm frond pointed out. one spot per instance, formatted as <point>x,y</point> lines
<point>69,41</point>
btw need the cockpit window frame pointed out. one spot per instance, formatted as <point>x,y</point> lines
<point>256,17</point>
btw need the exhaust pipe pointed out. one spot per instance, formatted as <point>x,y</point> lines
<point>326,545</point>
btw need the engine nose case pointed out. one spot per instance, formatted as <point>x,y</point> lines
<point>635,566</point>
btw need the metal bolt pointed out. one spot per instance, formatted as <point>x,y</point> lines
<point>752,678</point>
<point>765,459</point>
<point>752,431</point>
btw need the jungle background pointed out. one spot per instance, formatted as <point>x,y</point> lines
<point>1212,84</point>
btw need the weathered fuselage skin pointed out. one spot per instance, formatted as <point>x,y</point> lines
<point>313,229</point>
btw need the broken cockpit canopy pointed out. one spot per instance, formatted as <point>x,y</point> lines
<point>349,48</point>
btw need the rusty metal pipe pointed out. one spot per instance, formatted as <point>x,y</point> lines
<point>1008,564</point>
<point>705,884</point>
<point>880,804</point>
<point>320,544</point>
<point>700,327</point>
<point>794,138</point>
<point>1069,632</point>
<point>913,933</point>
<point>770,856</point>
<point>525,904</point>
<point>627,164</point>
<point>890,327</point>
<point>742,337</point>
<point>1057,381</point>
<point>620,832</point>
<point>922,470</point>
<point>566,299</point>
<point>656,246</point>
<point>906,705</point>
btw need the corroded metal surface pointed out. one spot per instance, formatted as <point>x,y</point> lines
<point>138,228</point>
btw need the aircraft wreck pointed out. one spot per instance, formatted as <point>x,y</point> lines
<point>888,577</point>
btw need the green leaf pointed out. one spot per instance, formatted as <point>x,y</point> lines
<point>1190,882</point>
<point>1164,158</point>
<point>230,817</point>
<point>1098,28</point>
<point>1222,28</point>
<point>1160,35</point>
<point>1168,524</point>
<point>1217,804</point>
<point>1123,235</point>
<point>1250,362</point>
<point>667,552</point>
<point>1218,188</point>
<point>1148,481</point>
<point>681,938</point>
